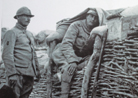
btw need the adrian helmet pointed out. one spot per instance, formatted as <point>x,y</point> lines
<point>23,11</point>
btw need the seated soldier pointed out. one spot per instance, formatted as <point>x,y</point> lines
<point>76,46</point>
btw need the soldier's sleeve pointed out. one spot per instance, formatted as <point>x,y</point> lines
<point>8,52</point>
<point>68,42</point>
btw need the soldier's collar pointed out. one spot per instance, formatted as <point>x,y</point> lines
<point>85,24</point>
<point>20,27</point>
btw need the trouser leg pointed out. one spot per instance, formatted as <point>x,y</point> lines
<point>65,84</point>
<point>59,59</point>
<point>23,86</point>
<point>16,87</point>
<point>28,82</point>
<point>61,62</point>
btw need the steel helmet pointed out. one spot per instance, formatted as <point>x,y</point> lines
<point>93,12</point>
<point>23,11</point>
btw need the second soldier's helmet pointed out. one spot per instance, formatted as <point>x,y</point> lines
<point>23,11</point>
<point>93,12</point>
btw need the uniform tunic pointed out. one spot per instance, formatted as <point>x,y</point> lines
<point>74,41</point>
<point>18,53</point>
<point>71,48</point>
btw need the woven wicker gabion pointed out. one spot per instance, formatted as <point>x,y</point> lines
<point>118,74</point>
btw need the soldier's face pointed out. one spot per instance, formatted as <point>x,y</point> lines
<point>91,20</point>
<point>24,20</point>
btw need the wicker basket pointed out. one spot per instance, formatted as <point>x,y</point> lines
<point>118,75</point>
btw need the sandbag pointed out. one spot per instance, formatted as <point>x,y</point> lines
<point>43,59</point>
<point>130,11</point>
<point>40,38</point>
<point>43,34</point>
<point>63,25</point>
<point>62,30</point>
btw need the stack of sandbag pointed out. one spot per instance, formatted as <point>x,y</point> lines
<point>130,11</point>
<point>42,48</point>
<point>40,38</point>
<point>43,59</point>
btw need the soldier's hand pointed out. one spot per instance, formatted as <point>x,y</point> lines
<point>14,77</point>
<point>13,80</point>
<point>72,67</point>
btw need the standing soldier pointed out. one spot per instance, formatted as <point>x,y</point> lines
<point>19,55</point>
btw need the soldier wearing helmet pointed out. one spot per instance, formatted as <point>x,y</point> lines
<point>79,42</point>
<point>23,16</point>
<point>19,55</point>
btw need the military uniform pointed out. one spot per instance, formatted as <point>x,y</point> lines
<point>72,46</point>
<point>19,56</point>
<point>20,60</point>
<point>78,43</point>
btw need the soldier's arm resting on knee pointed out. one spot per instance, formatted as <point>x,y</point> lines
<point>67,47</point>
